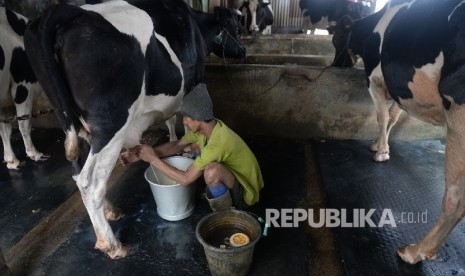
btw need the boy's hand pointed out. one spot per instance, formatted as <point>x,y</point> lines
<point>128,156</point>
<point>146,153</point>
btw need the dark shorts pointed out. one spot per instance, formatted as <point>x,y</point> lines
<point>237,194</point>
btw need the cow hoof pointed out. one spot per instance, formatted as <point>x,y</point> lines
<point>410,255</point>
<point>102,245</point>
<point>381,157</point>
<point>15,165</point>
<point>39,157</point>
<point>12,165</point>
<point>43,157</point>
<point>119,251</point>
<point>114,252</point>
<point>114,214</point>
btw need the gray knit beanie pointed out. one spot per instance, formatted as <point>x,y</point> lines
<point>197,104</point>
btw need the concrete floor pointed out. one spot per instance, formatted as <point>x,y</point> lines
<point>61,242</point>
<point>45,230</point>
<point>410,186</point>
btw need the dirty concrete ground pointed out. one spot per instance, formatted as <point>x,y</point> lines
<point>298,174</point>
<point>292,180</point>
<point>408,190</point>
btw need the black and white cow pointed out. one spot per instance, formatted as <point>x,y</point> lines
<point>323,14</point>
<point>257,16</point>
<point>111,69</point>
<point>236,5</point>
<point>18,87</point>
<point>415,53</point>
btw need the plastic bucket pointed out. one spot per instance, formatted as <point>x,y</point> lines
<point>213,230</point>
<point>174,201</point>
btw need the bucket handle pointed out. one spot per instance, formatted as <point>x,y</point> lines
<point>264,225</point>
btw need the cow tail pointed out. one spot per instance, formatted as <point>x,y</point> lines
<point>39,40</point>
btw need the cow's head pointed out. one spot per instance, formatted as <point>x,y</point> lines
<point>342,43</point>
<point>355,9</point>
<point>256,15</point>
<point>227,42</point>
<point>264,16</point>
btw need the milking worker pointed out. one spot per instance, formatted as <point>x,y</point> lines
<point>229,167</point>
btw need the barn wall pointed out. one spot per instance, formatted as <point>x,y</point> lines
<point>286,12</point>
<point>295,101</point>
<point>302,102</point>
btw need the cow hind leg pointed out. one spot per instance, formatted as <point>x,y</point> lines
<point>112,213</point>
<point>382,143</point>
<point>92,184</point>
<point>12,162</point>
<point>23,112</point>
<point>171,124</point>
<point>394,114</point>
<point>25,129</point>
<point>72,145</point>
<point>453,203</point>
<point>381,146</point>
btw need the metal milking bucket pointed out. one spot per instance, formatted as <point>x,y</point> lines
<point>174,201</point>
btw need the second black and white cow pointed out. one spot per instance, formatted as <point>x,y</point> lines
<point>414,52</point>
<point>111,69</point>
<point>18,87</point>
<point>257,16</point>
<point>323,14</point>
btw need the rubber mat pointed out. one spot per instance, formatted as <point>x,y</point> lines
<point>30,194</point>
<point>160,247</point>
<point>409,186</point>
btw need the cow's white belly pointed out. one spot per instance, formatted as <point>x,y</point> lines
<point>146,111</point>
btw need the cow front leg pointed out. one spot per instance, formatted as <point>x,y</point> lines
<point>92,185</point>
<point>453,203</point>
<point>381,146</point>
<point>9,156</point>
<point>305,24</point>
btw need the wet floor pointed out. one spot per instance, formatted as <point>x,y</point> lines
<point>30,194</point>
<point>411,182</point>
<point>410,186</point>
<point>160,247</point>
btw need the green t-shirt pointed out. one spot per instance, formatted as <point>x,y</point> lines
<point>227,148</point>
